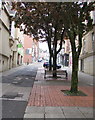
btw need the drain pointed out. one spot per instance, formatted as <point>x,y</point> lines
<point>12,95</point>
<point>17,82</point>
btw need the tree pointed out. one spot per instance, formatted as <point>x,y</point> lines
<point>78,22</point>
<point>55,19</point>
<point>45,22</point>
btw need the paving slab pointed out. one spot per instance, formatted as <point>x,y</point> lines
<point>71,110</point>
<point>53,110</point>
<point>38,110</point>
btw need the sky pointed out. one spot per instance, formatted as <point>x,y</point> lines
<point>43,46</point>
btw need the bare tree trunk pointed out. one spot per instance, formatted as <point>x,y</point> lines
<point>74,80</point>
<point>50,62</point>
<point>54,65</point>
<point>50,53</point>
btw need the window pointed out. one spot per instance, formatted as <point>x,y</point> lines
<point>93,36</point>
<point>28,51</point>
<point>3,62</point>
<point>93,40</point>
<point>84,45</point>
<point>82,65</point>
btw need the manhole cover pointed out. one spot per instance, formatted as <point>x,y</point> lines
<point>12,95</point>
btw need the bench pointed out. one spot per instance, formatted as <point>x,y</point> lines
<point>59,72</point>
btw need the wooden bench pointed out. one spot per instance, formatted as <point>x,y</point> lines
<point>59,72</point>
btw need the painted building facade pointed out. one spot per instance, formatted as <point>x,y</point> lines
<point>35,50</point>
<point>87,57</point>
<point>63,55</point>
<point>10,38</point>
<point>6,41</point>
<point>28,41</point>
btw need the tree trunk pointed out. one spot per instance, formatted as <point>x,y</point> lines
<point>55,52</point>
<point>74,80</point>
<point>54,65</point>
<point>50,62</point>
<point>50,53</point>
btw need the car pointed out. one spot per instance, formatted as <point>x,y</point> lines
<point>46,65</point>
<point>40,60</point>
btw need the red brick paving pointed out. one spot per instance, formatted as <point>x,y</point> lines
<point>52,96</point>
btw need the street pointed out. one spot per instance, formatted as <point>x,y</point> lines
<point>16,88</point>
<point>47,57</point>
<point>17,95</point>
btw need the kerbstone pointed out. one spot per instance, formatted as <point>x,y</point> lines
<point>34,115</point>
<point>74,115</point>
<point>88,115</point>
<point>54,116</point>
<point>86,110</point>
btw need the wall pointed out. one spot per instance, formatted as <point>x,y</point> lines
<point>4,41</point>
<point>28,41</point>
<point>87,57</point>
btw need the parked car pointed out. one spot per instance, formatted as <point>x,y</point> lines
<point>46,65</point>
<point>40,60</point>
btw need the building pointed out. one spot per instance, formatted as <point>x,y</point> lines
<point>30,50</point>
<point>11,38</point>
<point>35,50</point>
<point>63,55</point>
<point>43,54</point>
<point>87,57</point>
<point>6,40</point>
<point>28,41</point>
<point>19,47</point>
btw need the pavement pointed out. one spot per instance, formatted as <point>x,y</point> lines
<point>48,101</point>
<point>25,94</point>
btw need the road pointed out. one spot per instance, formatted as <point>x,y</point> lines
<point>16,88</point>
<point>16,85</point>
